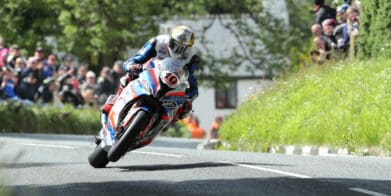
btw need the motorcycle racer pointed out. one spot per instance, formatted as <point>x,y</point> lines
<point>178,44</point>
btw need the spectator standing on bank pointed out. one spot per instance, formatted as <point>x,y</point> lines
<point>323,53</point>
<point>352,25</point>
<point>316,30</point>
<point>323,11</point>
<point>194,127</point>
<point>328,27</point>
<point>214,130</point>
<point>338,31</point>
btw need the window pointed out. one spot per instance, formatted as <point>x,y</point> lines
<point>226,96</point>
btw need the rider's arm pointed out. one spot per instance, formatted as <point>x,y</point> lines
<point>194,68</point>
<point>132,65</point>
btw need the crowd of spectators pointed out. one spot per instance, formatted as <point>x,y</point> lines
<point>47,79</point>
<point>334,29</point>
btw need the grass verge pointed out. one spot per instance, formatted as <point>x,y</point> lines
<point>347,104</point>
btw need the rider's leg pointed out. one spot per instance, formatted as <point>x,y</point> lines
<point>106,108</point>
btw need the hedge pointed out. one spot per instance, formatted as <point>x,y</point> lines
<point>35,119</point>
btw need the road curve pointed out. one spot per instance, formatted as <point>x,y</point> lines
<point>57,165</point>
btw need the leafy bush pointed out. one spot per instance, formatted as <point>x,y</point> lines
<point>375,29</point>
<point>347,105</point>
<point>67,120</point>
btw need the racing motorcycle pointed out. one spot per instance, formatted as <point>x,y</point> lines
<point>144,108</point>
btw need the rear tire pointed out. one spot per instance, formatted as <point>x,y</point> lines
<point>123,144</point>
<point>98,158</point>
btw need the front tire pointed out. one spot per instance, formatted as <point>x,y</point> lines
<point>98,158</point>
<point>138,124</point>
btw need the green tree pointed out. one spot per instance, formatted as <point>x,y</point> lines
<point>265,42</point>
<point>100,32</point>
<point>106,29</point>
<point>26,22</point>
<point>96,31</point>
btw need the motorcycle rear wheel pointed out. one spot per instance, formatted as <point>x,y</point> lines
<point>98,158</point>
<point>138,124</point>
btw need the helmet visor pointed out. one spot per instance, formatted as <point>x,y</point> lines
<point>178,48</point>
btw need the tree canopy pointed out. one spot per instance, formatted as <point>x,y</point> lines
<point>101,32</point>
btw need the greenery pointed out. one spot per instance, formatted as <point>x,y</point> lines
<point>345,105</point>
<point>66,120</point>
<point>100,32</point>
<point>375,29</point>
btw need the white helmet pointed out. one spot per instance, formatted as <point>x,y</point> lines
<point>181,41</point>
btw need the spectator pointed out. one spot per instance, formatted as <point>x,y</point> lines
<point>117,72</point>
<point>14,52</point>
<point>8,84</point>
<point>46,91</point>
<point>66,66</point>
<point>323,11</point>
<point>194,127</point>
<point>3,53</point>
<point>40,73</point>
<point>67,92</point>
<point>28,87</point>
<point>353,21</point>
<point>352,25</point>
<point>39,54</point>
<point>31,66</point>
<point>90,81</point>
<point>51,66</point>
<point>338,31</point>
<point>81,73</point>
<point>105,85</point>
<point>323,53</point>
<point>89,98</point>
<point>328,27</point>
<point>316,30</point>
<point>341,13</point>
<point>356,4</point>
<point>19,66</point>
<point>214,130</point>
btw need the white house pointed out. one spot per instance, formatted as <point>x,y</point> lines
<point>214,102</point>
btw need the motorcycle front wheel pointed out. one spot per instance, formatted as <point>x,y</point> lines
<point>98,158</point>
<point>138,124</point>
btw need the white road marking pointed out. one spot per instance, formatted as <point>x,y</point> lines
<point>47,145</point>
<point>271,170</point>
<point>159,154</point>
<point>367,192</point>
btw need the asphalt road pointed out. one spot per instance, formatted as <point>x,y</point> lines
<point>57,165</point>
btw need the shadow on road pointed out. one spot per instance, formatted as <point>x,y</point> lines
<point>156,167</point>
<point>35,164</point>
<point>246,186</point>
